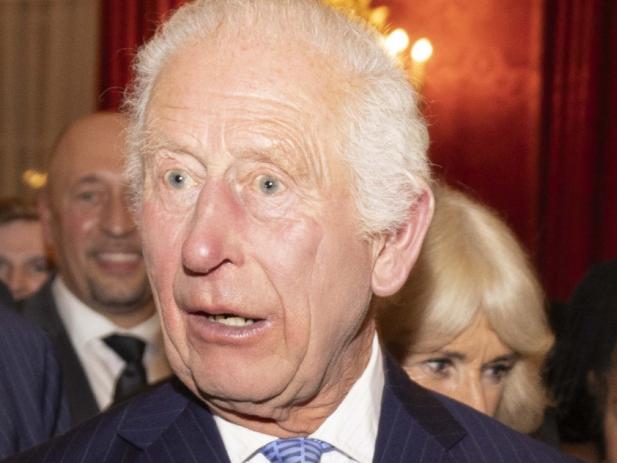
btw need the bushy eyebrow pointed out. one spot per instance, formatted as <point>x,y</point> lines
<point>288,147</point>
<point>155,141</point>
<point>279,151</point>
<point>276,155</point>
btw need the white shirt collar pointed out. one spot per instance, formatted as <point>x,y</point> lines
<point>351,429</point>
<point>86,329</point>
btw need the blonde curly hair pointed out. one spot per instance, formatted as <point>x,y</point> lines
<point>471,264</point>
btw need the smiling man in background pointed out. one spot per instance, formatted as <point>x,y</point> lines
<point>98,310</point>
<point>279,169</point>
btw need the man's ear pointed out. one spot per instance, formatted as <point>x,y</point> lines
<point>399,250</point>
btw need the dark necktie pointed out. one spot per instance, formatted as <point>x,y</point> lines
<point>295,450</point>
<point>133,377</point>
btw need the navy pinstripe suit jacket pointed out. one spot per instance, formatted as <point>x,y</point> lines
<point>32,407</point>
<point>170,425</point>
<point>41,309</point>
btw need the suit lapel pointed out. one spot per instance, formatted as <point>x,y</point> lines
<point>41,309</point>
<point>175,426</point>
<point>414,426</point>
<point>173,422</point>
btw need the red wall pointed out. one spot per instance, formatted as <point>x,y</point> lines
<point>520,96</point>
<point>482,97</point>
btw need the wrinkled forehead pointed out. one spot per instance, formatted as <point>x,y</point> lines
<point>249,96</point>
<point>261,66</point>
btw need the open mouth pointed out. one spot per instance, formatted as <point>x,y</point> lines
<point>225,326</point>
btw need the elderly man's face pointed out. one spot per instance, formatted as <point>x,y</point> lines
<point>250,235</point>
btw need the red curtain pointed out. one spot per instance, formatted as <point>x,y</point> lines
<point>578,178</point>
<point>125,25</point>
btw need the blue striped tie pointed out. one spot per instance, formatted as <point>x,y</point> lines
<point>295,450</point>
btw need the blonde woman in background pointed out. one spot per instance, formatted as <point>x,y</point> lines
<point>470,321</point>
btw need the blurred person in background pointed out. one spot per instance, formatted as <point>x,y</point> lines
<point>32,404</point>
<point>607,393</point>
<point>24,263</point>
<point>582,371</point>
<point>98,310</point>
<point>470,321</point>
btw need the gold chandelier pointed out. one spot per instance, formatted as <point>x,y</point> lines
<point>376,16</point>
<point>395,41</point>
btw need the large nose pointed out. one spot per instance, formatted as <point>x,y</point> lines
<point>116,219</point>
<point>212,240</point>
<point>472,393</point>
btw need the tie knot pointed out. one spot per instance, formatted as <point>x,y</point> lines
<point>295,450</point>
<point>130,348</point>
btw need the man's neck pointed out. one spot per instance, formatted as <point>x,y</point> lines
<point>124,317</point>
<point>132,318</point>
<point>304,418</point>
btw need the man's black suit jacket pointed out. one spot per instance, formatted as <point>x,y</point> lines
<point>169,425</point>
<point>6,298</point>
<point>32,406</point>
<point>41,309</point>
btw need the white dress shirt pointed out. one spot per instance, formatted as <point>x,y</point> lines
<point>351,429</point>
<point>86,329</point>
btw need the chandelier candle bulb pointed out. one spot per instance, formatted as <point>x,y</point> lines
<point>397,41</point>
<point>421,52</point>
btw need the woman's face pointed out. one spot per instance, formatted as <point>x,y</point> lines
<point>23,261</point>
<point>472,368</point>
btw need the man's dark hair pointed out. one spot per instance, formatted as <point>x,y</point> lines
<point>14,208</point>
<point>584,350</point>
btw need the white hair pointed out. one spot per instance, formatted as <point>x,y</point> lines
<point>385,137</point>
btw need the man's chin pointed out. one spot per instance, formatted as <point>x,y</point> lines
<point>119,299</point>
<point>234,398</point>
<point>247,411</point>
<point>241,399</point>
<point>276,416</point>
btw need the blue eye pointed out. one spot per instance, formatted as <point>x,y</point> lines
<point>268,185</point>
<point>177,179</point>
